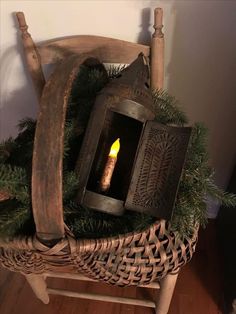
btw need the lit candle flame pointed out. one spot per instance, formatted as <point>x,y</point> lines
<point>115,147</point>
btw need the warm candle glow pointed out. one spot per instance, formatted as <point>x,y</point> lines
<point>115,147</point>
<point>105,181</point>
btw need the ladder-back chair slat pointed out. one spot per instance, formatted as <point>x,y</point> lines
<point>109,50</point>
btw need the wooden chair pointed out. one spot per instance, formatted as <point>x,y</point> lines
<point>50,227</point>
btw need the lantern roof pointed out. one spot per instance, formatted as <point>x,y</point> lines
<point>133,83</point>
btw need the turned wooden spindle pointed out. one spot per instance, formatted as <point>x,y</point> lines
<point>32,56</point>
<point>157,51</point>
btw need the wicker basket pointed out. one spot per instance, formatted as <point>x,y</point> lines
<point>130,259</point>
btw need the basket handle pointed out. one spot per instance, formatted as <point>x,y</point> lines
<point>47,202</point>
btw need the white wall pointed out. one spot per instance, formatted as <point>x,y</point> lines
<point>200,62</point>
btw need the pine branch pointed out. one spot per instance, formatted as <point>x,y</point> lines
<point>21,148</point>
<point>88,83</point>
<point>115,70</point>
<point>68,134</point>
<point>27,124</point>
<point>6,148</point>
<point>167,109</point>
<point>16,159</point>
<point>197,155</point>
<point>224,198</point>
<point>13,180</point>
<point>86,222</point>
<point>70,185</point>
<point>13,217</point>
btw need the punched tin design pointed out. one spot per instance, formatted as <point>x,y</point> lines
<point>160,152</point>
<point>158,169</point>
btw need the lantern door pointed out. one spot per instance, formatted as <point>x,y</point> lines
<point>157,169</point>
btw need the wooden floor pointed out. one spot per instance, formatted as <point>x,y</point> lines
<point>198,289</point>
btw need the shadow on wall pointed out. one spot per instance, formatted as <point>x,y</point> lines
<point>19,103</point>
<point>145,35</point>
<point>202,77</point>
<point>202,74</point>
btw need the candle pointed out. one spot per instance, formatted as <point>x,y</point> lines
<point>110,166</point>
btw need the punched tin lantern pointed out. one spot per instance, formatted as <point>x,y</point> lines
<point>151,156</point>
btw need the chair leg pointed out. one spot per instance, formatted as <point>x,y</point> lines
<point>39,286</point>
<point>167,286</point>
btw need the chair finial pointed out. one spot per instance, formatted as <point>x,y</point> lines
<point>22,24</point>
<point>158,20</point>
<point>32,55</point>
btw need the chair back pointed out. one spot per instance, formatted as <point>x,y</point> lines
<point>47,202</point>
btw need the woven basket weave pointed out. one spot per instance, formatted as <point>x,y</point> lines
<point>131,259</point>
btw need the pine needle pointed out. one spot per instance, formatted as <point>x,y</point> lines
<point>115,70</point>
<point>13,180</point>
<point>16,163</point>
<point>224,198</point>
<point>167,109</point>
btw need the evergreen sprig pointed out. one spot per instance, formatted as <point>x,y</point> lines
<point>15,218</point>
<point>115,70</point>
<point>13,180</point>
<point>6,148</point>
<point>18,152</point>
<point>224,198</point>
<point>84,222</point>
<point>27,123</point>
<point>16,163</point>
<point>70,185</point>
<point>167,109</point>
